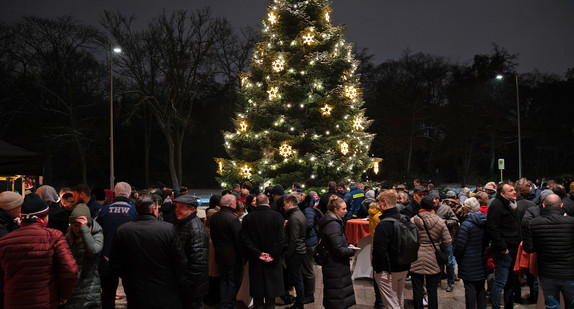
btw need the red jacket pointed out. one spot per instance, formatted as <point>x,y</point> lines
<point>37,267</point>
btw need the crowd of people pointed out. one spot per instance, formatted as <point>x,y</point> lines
<point>69,249</point>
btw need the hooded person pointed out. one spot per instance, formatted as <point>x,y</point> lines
<point>86,240</point>
<point>58,216</point>
<point>10,205</point>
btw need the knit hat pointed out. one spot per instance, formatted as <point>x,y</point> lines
<point>544,194</point>
<point>312,193</point>
<point>48,194</point>
<point>434,194</point>
<point>10,200</point>
<point>370,194</point>
<point>427,202</point>
<point>186,199</point>
<point>451,194</point>
<point>277,190</point>
<point>34,207</point>
<point>80,210</point>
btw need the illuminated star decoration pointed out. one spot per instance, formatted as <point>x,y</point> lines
<point>272,18</point>
<point>308,39</point>
<point>357,124</point>
<point>326,110</point>
<point>344,148</point>
<point>278,65</point>
<point>243,126</point>
<point>273,93</point>
<point>376,167</point>
<point>246,171</point>
<point>285,150</point>
<point>350,92</point>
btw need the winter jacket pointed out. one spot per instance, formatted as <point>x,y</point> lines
<point>523,205</point>
<point>426,263</point>
<point>7,223</point>
<point>324,200</point>
<point>262,231</point>
<point>36,267</point>
<point>94,206</point>
<point>470,248</point>
<point>148,256</point>
<point>382,244</point>
<point>311,217</point>
<point>110,217</point>
<point>87,255</point>
<point>503,226</point>
<point>551,235</point>
<point>412,209</point>
<point>225,231</point>
<point>295,232</point>
<point>59,218</point>
<point>337,284</point>
<point>446,213</point>
<point>195,243</point>
<point>358,196</point>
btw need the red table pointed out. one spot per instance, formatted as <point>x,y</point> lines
<point>356,229</point>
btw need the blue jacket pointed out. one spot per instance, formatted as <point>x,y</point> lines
<point>470,248</point>
<point>358,198</point>
<point>113,215</point>
<point>94,206</point>
<point>311,239</point>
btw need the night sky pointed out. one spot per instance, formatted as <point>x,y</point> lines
<point>541,32</point>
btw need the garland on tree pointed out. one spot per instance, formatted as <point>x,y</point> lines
<point>302,118</point>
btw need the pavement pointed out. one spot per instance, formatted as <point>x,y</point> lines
<point>365,296</point>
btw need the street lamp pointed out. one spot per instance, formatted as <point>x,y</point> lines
<point>113,50</point>
<point>500,77</point>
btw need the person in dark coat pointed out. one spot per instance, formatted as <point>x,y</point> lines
<point>147,255</point>
<point>551,235</point>
<point>263,237</point>
<point>337,283</point>
<point>58,216</point>
<point>82,194</point>
<point>503,229</point>
<point>325,198</point>
<point>10,205</point>
<point>470,252</point>
<point>295,233</point>
<point>225,234</point>
<point>195,242</point>
<point>415,205</point>
<point>312,216</point>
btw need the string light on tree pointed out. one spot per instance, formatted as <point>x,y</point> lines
<point>344,148</point>
<point>308,38</point>
<point>246,171</point>
<point>285,150</point>
<point>278,65</point>
<point>326,110</point>
<point>243,126</point>
<point>273,92</point>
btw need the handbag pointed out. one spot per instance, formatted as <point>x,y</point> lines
<point>441,257</point>
<point>321,253</point>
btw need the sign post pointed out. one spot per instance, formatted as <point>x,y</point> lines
<point>501,167</point>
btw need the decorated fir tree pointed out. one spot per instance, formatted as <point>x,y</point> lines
<point>301,117</point>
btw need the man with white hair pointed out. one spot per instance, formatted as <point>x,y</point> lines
<point>110,216</point>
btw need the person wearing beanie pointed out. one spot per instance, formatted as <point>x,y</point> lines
<point>10,205</point>
<point>86,240</point>
<point>58,215</point>
<point>426,267</point>
<point>41,256</point>
<point>276,203</point>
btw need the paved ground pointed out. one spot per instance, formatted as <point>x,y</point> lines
<point>365,296</point>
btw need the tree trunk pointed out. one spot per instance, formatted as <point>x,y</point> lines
<point>411,137</point>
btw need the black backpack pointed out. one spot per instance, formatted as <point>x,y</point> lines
<point>406,242</point>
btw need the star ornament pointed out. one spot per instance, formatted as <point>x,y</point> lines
<point>308,38</point>
<point>351,92</point>
<point>285,150</point>
<point>245,171</point>
<point>357,124</point>
<point>272,18</point>
<point>278,65</point>
<point>326,110</point>
<point>344,148</point>
<point>273,92</point>
<point>243,126</point>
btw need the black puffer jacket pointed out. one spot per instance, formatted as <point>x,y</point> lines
<point>551,235</point>
<point>503,226</point>
<point>470,248</point>
<point>7,223</point>
<point>337,283</point>
<point>195,243</point>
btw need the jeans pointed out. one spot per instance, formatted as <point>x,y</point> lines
<point>475,294</point>
<point>294,267</point>
<point>432,286</point>
<point>230,280</point>
<point>450,266</point>
<point>504,279</point>
<point>552,288</point>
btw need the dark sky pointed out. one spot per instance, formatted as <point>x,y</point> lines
<point>541,32</point>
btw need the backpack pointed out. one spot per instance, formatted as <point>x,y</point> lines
<point>406,242</point>
<point>318,216</point>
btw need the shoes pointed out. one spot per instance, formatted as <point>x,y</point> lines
<point>308,299</point>
<point>456,278</point>
<point>287,299</point>
<point>449,287</point>
<point>425,302</point>
<point>408,278</point>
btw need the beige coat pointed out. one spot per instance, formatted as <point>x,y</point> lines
<point>426,263</point>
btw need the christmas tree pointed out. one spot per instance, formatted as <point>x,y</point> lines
<point>301,116</point>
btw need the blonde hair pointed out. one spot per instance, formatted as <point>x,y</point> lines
<point>390,196</point>
<point>335,202</point>
<point>482,198</point>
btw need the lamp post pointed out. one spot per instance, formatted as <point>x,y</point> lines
<point>499,77</point>
<point>113,50</point>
